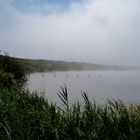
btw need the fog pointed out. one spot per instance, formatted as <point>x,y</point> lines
<point>95,31</point>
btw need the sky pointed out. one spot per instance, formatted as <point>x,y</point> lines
<point>95,31</point>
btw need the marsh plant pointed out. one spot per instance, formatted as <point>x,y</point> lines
<point>27,116</point>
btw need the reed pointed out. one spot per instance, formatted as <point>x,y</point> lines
<point>25,115</point>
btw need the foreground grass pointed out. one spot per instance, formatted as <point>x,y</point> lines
<point>26,116</point>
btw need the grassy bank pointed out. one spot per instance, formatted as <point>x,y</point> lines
<point>26,116</point>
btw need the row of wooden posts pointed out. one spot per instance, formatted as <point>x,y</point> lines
<point>66,75</point>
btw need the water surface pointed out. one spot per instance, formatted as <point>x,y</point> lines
<point>100,85</point>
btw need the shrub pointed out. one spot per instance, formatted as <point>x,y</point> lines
<point>11,65</point>
<point>7,80</point>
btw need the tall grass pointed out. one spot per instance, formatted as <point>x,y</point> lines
<point>27,116</point>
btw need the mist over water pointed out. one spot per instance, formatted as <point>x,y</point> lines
<point>99,85</point>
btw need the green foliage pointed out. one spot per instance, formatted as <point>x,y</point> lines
<point>11,65</point>
<point>25,115</point>
<point>7,80</point>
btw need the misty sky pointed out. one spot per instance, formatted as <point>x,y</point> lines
<point>96,31</point>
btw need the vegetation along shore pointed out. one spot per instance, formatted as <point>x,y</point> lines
<point>26,115</point>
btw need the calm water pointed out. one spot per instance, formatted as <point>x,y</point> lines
<point>101,85</point>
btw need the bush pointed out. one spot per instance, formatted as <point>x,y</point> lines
<point>7,80</point>
<point>11,65</point>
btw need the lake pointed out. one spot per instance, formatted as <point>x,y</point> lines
<point>99,85</point>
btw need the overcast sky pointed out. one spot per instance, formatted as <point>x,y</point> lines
<point>96,31</point>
